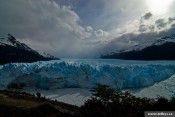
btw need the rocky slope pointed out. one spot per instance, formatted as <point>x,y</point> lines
<point>162,49</point>
<point>12,51</point>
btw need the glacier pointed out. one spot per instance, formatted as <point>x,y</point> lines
<point>164,88</point>
<point>85,73</point>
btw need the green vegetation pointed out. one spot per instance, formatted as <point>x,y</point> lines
<point>15,104</point>
<point>107,102</point>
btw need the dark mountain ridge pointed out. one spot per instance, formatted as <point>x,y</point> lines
<point>162,49</point>
<point>13,51</point>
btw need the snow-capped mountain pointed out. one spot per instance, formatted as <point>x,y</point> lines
<point>161,49</point>
<point>47,55</point>
<point>11,41</point>
<point>12,51</point>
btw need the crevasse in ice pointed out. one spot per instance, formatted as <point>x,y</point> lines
<point>118,74</point>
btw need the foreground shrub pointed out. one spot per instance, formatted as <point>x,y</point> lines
<point>107,102</point>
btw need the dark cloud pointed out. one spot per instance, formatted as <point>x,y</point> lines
<point>151,28</point>
<point>173,25</point>
<point>148,34</point>
<point>160,23</point>
<point>130,40</point>
<point>170,19</point>
<point>58,29</point>
<point>142,28</point>
<point>147,16</point>
<point>45,25</point>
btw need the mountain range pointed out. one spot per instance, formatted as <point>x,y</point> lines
<point>162,49</point>
<point>13,51</point>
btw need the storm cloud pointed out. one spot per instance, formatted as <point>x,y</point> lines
<point>45,25</point>
<point>160,23</point>
<point>72,29</point>
<point>141,32</point>
<point>147,16</point>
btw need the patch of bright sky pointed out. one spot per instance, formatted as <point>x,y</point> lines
<point>109,14</point>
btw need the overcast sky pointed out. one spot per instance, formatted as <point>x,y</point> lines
<point>86,28</point>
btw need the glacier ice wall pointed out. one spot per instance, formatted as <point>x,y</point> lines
<point>84,73</point>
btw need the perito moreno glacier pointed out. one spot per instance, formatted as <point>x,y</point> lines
<point>84,73</point>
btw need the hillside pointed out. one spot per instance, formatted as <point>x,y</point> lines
<point>15,104</point>
<point>13,51</point>
<point>162,49</point>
